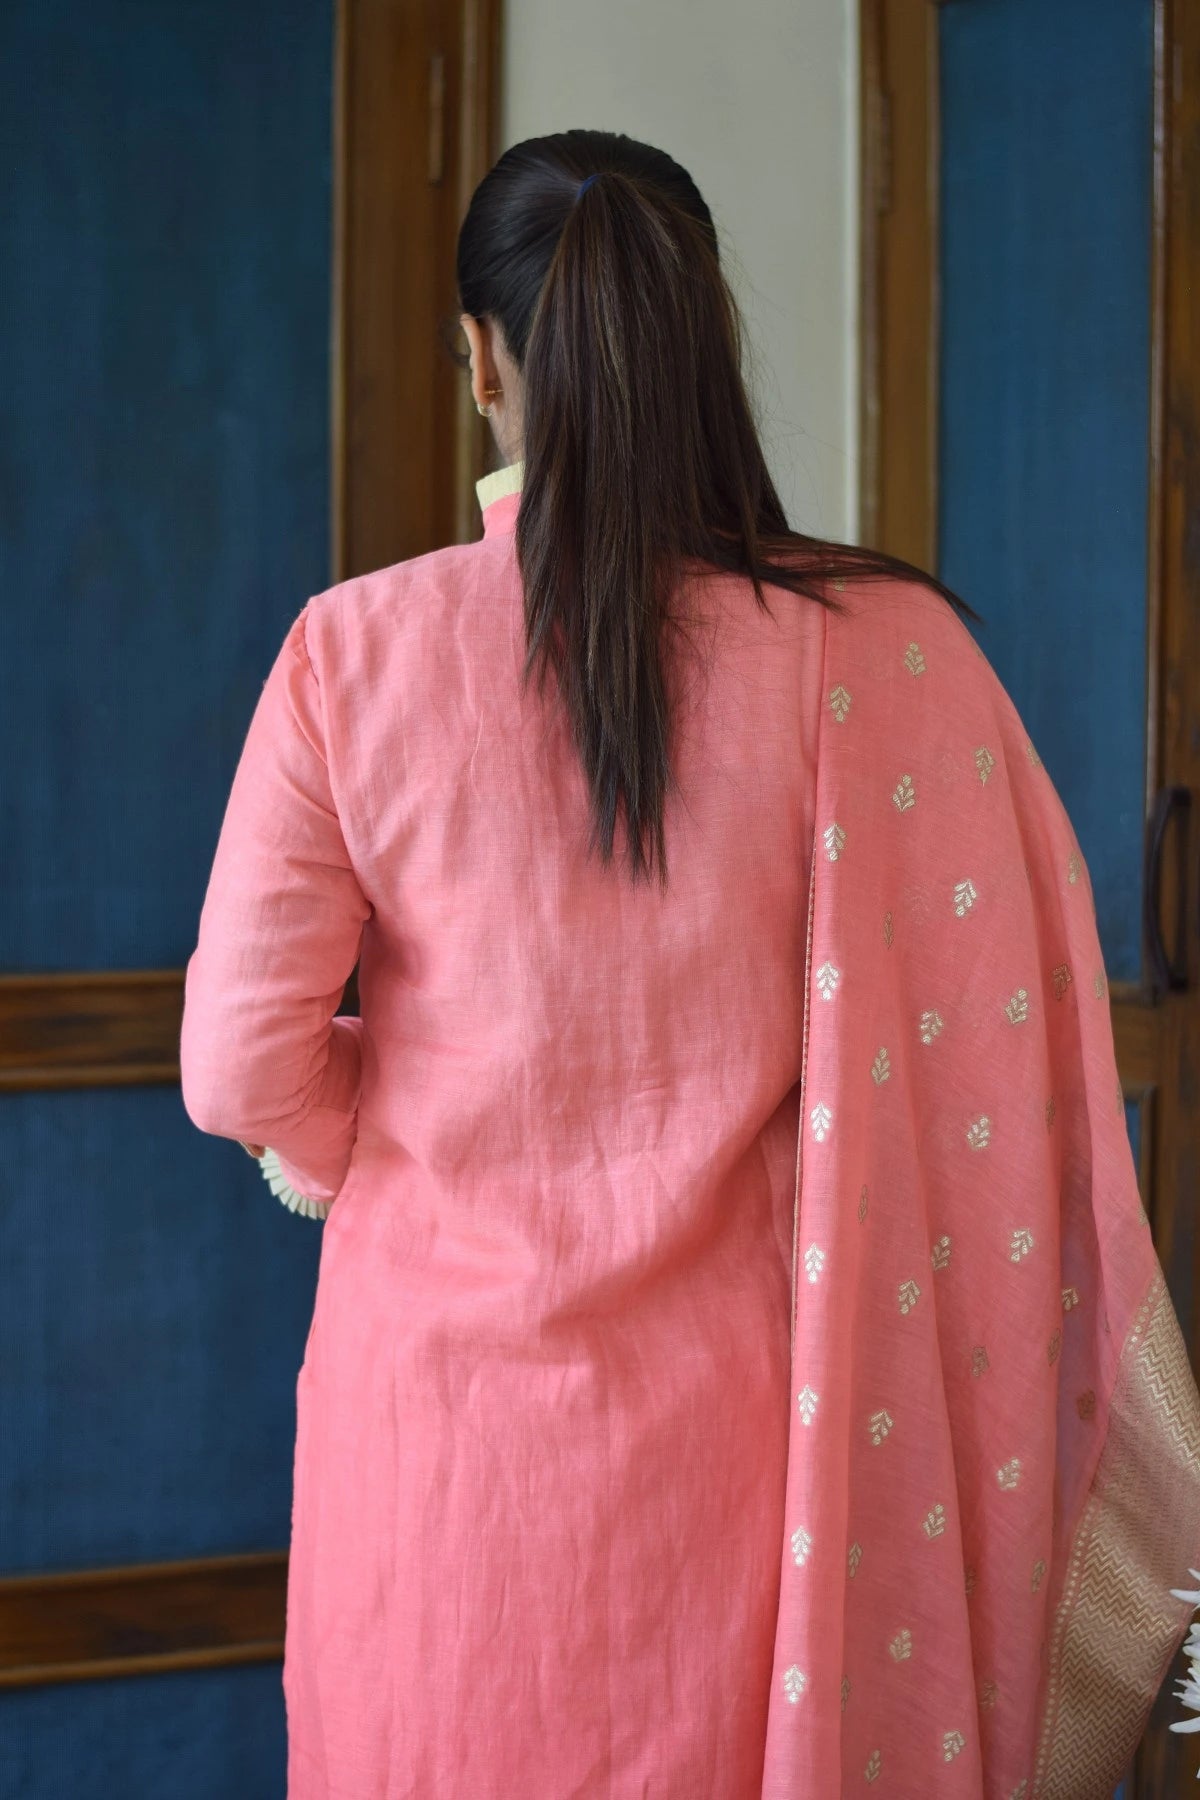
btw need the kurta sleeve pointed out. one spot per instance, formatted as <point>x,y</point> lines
<point>263,1057</point>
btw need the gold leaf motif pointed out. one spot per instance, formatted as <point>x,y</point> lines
<point>845,1691</point>
<point>840,584</point>
<point>874,1765</point>
<point>1070,1298</point>
<point>1074,868</point>
<point>881,1068</point>
<point>952,1743</point>
<point>1033,756</point>
<point>835,839</point>
<point>934,1522</point>
<point>1053,1348</point>
<point>901,1646</point>
<point>979,1134</point>
<point>969,1579</point>
<point>1009,1473</point>
<point>862,1203</point>
<point>807,1401</point>
<point>887,929</point>
<point>827,980</point>
<point>985,762</point>
<point>853,1560</point>
<point>909,1293</point>
<point>1035,1580</point>
<point>1050,1112</point>
<point>1020,1245</point>
<point>1085,1404</point>
<point>1020,1791</point>
<point>965,896</point>
<point>794,1683</point>
<point>1100,984</point>
<point>1062,980</point>
<point>931,1024</point>
<point>879,1424</point>
<point>989,1693</point>
<point>801,1545</point>
<point>903,795</point>
<point>940,1254</point>
<point>814,1262</point>
<point>979,1361</point>
<point>839,700</point>
<point>821,1119</point>
<point>1017,1010</point>
<point>914,662</point>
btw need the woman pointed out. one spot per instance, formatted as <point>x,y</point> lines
<point>740,1365</point>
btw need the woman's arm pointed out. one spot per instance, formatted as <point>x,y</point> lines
<point>264,1059</point>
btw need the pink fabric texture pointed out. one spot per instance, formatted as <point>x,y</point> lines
<point>573,1514</point>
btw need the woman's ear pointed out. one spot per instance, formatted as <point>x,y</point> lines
<point>482,374</point>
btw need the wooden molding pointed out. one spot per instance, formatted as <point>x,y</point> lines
<point>142,1619</point>
<point>102,1029</point>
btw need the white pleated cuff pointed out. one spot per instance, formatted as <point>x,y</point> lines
<point>274,1177</point>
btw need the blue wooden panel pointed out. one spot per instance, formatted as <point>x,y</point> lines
<point>164,441</point>
<point>156,1299</point>
<point>205,1734</point>
<point>1046,171</point>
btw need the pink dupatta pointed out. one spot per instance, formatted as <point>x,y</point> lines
<point>994,1465</point>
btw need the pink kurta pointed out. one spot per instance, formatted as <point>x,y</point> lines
<point>543,1411</point>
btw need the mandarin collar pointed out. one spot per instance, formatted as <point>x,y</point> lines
<point>499,496</point>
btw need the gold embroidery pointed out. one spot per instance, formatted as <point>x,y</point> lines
<point>1020,1791</point>
<point>901,1646</point>
<point>801,1545</point>
<point>1021,1245</point>
<point>1035,1580</point>
<point>862,1204</point>
<point>903,795</point>
<point>881,1068</point>
<point>1009,1474</point>
<point>909,1294</point>
<point>887,929</point>
<point>1120,1096</point>
<point>853,1560</point>
<point>827,980</point>
<point>969,1580</point>
<point>1033,756</point>
<point>807,1401</point>
<point>1116,1623</point>
<point>1053,1348</point>
<point>914,662</point>
<point>879,1424</point>
<point>845,1691</point>
<point>934,1522</point>
<point>794,1683</point>
<point>931,1024</point>
<point>979,1360</point>
<point>1085,1404</point>
<point>1074,868</point>
<point>1050,1109</point>
<point>1070,1299</point>
<point>874,1764</point>
<point>979,1134</point>
<point>1100,984</point>
<point>839,700</point>
<point>840,584</point>
<point>1017,1010</point>
<point>940,1255</point>
<point>814,1261</point>
<point>1062,980</point>
<point>965,896</point>
<point>985,762</point>
<point>821,1118</point>
<point>952,1743</point>
<point>835,839</point>
<point>989,1693</point>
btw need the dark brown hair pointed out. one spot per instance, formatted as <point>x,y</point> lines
<point>640,447</point>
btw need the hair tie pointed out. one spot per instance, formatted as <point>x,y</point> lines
<point>586,183</point>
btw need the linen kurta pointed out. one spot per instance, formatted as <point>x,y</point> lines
<point>542,1416</point>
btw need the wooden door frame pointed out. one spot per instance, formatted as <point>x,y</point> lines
<point>121,1028</point>
<point>1155,1034</point>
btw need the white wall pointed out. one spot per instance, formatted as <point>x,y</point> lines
<point>759,101</point>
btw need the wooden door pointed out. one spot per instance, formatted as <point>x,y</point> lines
<point>1031,430</point>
